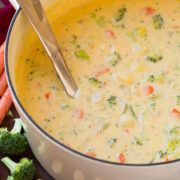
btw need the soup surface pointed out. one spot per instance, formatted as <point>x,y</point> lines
<point>124,57</point>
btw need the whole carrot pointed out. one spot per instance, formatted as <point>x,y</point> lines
<point>2,57</point>
<point>3,83</point>
<point>5,104</point>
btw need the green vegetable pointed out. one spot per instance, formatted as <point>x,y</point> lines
<point>121,13</point>
<point>24,170</point>
<point>95,82</point>
<point>175,130</point>
<point>82,54</point>
<point>112,100</point>
<point>158,21</point>
<point>138,141</point>
<point>178,100</point>
<point>156,78</point>
<point>162,154</point>
<point>154,58</point>
<point>132,112</point>
<point>125,109</point>
<point>101,21</point>
<point>93,15</point>
<point>12,142</point>
<point>153,105</point>
<point>173,144</point>
<point>112,142</point>
<point>115,58</point>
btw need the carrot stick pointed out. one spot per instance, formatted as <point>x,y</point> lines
<point>122,158</point>
<point>79,114</point>
<point>149,11</point>
<point>91,154</point>
<point>102,71</point>
<point>176,113</point>
<point>5,104</point>
<point>148,90</point>
<point>3,83</point>
<point>2,58</point>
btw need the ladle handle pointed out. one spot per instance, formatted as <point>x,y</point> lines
<point>14,4</point>
<point>36,15</point>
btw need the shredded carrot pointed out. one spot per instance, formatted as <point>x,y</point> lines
<point>3,83</point>
<point>122,158</point>
<point>47,95</point>
<point>2,58</point>
<point>5,104</point>
<point>148,90</point>
<point>149,11</point>
<point>175,112</point>
<point>110,33</point>
<point>91,154</point>
<point>79,113</point>
<point>102,71</point>
<point>127,131</point>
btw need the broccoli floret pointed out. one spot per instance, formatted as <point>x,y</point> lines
<point>162,154</point>
<point>121,13</point>
<point>112,100</point>
<point>154,58</point>
<point>95,82</point>
<point>82,54</point>
<point>156,78</point>
<point>115,59</point>
<point>158,21</point>
<point>12,142</point>
<point>24,170</point>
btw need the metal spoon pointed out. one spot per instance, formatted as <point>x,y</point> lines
<point>36,15</point>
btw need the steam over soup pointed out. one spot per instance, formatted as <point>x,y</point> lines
<point>124,57</point>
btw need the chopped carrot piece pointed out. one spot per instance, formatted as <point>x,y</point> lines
<point>149,11</point>
<point>176,113</point>
<point>122,158</point>
<point>5,104</point>
<point>110,33</point>
<point>126,131</point>
<point>148,90</point>
<point>3,83</point>
<point>102,71</point>
<point>79,114</point>
<point>91,154</point>
<point>47,95</point>
<point>176,27</point>
<point>2,58</point>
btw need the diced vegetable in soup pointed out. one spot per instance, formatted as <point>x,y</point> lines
<point>124,56</point>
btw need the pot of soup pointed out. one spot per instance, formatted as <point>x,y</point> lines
<point>125,120</point>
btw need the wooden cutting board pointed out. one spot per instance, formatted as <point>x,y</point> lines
<point>40,172</point>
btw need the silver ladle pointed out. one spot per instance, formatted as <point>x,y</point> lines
<point>36,15</point>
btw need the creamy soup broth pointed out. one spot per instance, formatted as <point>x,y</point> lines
<point>124,57</point>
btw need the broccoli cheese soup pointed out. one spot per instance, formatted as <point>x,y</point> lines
<point>124,57</point>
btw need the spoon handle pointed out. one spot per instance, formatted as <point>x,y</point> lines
<point>36,15</point>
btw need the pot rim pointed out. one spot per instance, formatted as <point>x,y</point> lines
<point>58,143</point>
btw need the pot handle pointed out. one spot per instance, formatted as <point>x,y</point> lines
<point>14,4</point>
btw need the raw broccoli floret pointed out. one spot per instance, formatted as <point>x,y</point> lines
<point>12,142</point>
<point>24,170</point>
